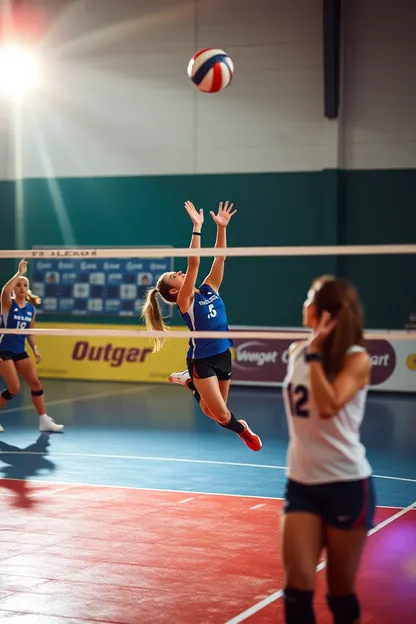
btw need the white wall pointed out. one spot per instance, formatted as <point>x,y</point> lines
<point>271,117</point>
<point>379,101</point>
<point>116,99</point>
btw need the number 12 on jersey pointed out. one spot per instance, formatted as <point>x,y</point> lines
<point>298,399</point>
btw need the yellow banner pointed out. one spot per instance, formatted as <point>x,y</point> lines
<point>113,359</point>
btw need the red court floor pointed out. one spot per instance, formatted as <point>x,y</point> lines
<point>73,553</point>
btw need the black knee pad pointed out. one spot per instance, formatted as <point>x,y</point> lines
<point>37,392</point>
<point>298,606</point>
<point>7,396</point>
<point>346,609</point>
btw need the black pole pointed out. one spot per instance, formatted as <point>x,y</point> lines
<point>332,56</point>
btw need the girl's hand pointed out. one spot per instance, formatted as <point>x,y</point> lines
<point>37,355</point>
<point>325,327</point>
<point>197,218</point>
<point>22,267</point>
<point>222,218</point>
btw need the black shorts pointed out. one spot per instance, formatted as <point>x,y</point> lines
<point>15,357</point>
<point>343,504</point>
<point>214,366</point>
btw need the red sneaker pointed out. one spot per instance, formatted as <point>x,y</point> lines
<point>249,438</point>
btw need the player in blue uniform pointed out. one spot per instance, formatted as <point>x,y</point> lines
<point>202,309</point>
<point>18,312</point>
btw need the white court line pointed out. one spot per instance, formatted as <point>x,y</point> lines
<point>85,397</point>
<point>43,492</point>
<point>46,492</point>
<point>258,506</point>
<point>394,478</point>
<point>150,489</point>
<point>168,491</point>
<point>278,594</point>
<point>185,500</point>
<point>190,461</point>
<point>139,389</point>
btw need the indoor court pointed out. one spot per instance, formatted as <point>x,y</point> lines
<point>119,122</point>
<point>135,512</point>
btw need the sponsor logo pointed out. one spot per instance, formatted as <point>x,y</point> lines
<point>383,361</point>
<point>411,362</point>
<point>114,356</point>
<point>343,518</point>
<point>63,253</point>
<point>254,354</point>
<point>208,301</point>
<point>263,361</point>
<point>266,360</point>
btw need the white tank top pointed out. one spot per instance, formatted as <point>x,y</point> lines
<point>322,450</point>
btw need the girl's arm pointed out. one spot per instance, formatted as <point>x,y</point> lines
<point>6,293</point>
<point>186,293</point>
<point>32,343</point>
<point>222,219</point>
<point>331,396</point>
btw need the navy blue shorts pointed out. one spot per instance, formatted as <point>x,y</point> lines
<point>11,355</point>
<point>343,504</point>
<point>219,366</point>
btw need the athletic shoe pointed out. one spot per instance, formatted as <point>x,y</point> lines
<point>249,438</point>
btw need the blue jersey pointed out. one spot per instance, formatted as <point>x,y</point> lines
<point>16,318</point>
<point>207,313</point>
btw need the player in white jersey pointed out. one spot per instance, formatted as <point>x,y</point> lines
<point>18,312</point>
<point>329,501</point>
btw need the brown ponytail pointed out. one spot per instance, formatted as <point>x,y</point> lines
<point>152,317</point>
<point>341,300</point>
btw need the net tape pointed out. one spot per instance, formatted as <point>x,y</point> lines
<point>184,252</point>
<point>241,334</point>
<point>178,252</point>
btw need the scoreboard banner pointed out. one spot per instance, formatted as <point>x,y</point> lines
<point>96,287</point>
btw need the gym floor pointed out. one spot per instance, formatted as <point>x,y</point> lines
<point>144,510</point>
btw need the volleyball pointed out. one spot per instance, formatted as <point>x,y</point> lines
<point>211,70</point>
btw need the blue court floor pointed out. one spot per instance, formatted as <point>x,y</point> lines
<point>155,437</point>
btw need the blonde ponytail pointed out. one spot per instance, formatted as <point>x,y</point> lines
<point>30,296</point>
<point>33,299</point>
<point>152,317</point>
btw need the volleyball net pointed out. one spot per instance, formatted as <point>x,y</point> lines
<point>88,324</point>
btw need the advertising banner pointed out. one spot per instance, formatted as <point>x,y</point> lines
<point>255,362</point>
<point>107,359</point>
<point>263,363</point>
